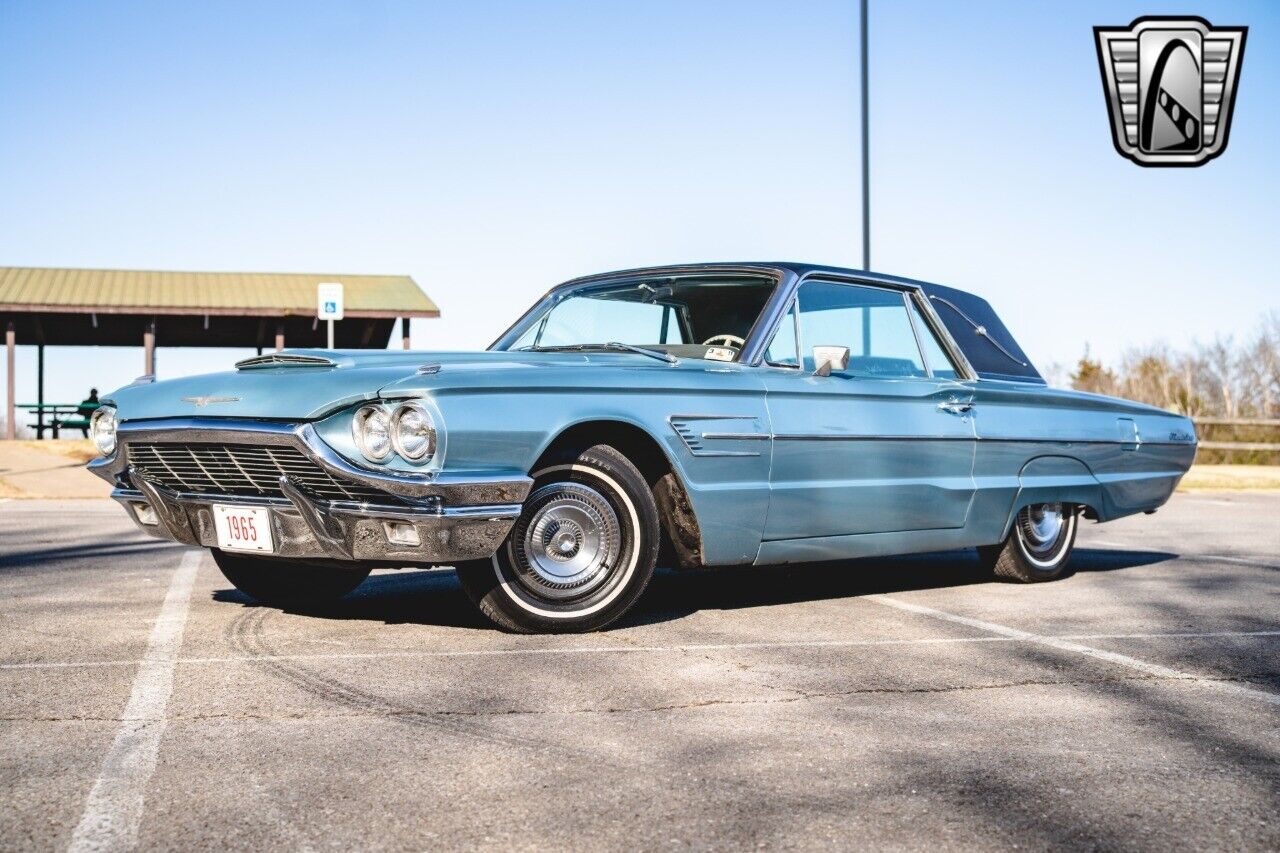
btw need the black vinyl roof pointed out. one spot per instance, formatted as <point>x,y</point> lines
<point>980,334</point>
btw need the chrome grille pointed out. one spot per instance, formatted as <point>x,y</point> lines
<point>243,469</point>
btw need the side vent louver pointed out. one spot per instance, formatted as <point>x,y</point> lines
<point>696,431</point>
<point>690,438</point>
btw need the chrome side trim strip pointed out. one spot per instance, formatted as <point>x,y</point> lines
<point>826,436</point>
<point>835,437</point>
<point>681,425</point>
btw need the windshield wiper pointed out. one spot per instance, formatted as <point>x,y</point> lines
<point>611,345</point>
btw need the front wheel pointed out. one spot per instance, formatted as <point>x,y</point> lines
<point>1038,546</point>
<point>285,583</point>
<point>580,554</point>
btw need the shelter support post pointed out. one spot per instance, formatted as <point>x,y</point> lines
<point>11,346</point>
<point>149,349</point>
<point>404,332</point>
<point>279,336</point>
<point>40,391</point>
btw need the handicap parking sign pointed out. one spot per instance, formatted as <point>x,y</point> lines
<point>329,301</point>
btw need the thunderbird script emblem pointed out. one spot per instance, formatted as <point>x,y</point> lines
<point>205,401</point>
<point>1170,86</point>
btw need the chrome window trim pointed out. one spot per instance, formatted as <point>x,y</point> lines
<point>906,290</point>
<point>787,282</point>
<point>934,323</point>
<point>794,310</point>
<point>964,369</point>
<point>924,357</point>
<point>770,318</point>
<point>764,271</point>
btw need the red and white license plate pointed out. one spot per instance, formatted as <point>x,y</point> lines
<point>243,528</point>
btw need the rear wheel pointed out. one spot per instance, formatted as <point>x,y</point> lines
<point>1038,546</point>
<point>285,582</point>
<point>581,552</point>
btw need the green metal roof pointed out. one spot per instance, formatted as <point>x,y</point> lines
<point>30,289</point>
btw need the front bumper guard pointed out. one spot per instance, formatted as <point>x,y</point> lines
<point>455,518</point>
<point>305,528</point>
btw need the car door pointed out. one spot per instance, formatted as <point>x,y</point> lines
<point>885,444</point>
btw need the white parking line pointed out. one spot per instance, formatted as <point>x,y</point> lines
<point>114,808</point>
<point>1242,561</point>
<point>1072,646</point>
<point>593,650</point>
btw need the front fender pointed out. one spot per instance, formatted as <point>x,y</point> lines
<point>727,481</point>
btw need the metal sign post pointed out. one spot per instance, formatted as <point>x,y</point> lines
<point>866,150</point>
<point>329,304</point>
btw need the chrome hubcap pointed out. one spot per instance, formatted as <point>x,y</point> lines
<point>1041,527</point>
<point>568,541</point>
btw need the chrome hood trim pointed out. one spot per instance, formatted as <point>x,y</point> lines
<point>280,359</point>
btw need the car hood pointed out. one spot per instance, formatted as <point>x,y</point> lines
<point>303,391</point>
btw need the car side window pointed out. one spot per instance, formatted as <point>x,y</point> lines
<point>939,363</point>
<point>872,322</point>
<point>782,351</point>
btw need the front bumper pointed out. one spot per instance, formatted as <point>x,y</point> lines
<point>455,517</point>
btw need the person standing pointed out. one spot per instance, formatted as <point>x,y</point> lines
<point>87,407</point>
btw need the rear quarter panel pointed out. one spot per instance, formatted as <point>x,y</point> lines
<point>1038,444</point>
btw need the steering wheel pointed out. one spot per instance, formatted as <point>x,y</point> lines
<point>728,340</point>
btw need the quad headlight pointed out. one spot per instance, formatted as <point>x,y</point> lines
<point>413,432</point>
<point>371,428</point>
<point>409,430</point>
<point>102,428</point>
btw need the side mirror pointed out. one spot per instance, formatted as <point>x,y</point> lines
<point>827,359</point>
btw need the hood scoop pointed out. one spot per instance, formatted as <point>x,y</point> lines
<point>279,359</point>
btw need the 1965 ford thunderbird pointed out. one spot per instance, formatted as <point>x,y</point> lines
<point>704,415</point>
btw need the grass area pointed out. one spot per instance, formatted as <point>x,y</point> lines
<point>1228,477</point>
<point>75,449</point>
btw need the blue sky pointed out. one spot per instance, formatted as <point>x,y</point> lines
<point>492,149</point>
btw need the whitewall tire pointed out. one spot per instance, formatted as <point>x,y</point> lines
<point>581,553</point>
<point>1038,545</point>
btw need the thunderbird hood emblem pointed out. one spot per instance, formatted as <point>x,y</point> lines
<point>204,401</point>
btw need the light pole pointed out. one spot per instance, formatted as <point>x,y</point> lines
<point>866,154</point>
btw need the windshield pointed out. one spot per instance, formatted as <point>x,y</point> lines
<point>687,318</point>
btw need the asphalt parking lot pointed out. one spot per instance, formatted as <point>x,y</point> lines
<point>899,703</point>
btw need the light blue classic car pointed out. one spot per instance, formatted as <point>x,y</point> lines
<point>693,416</point>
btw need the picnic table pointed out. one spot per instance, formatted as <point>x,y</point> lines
<point>60,416</point>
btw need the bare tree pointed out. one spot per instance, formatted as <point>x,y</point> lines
<point>1224,378</point>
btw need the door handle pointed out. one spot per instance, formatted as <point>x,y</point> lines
<point>956,407</point>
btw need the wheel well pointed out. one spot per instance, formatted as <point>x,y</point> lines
<point>632,441</point>
<point>1084,509</point>
<point>681,536</point>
